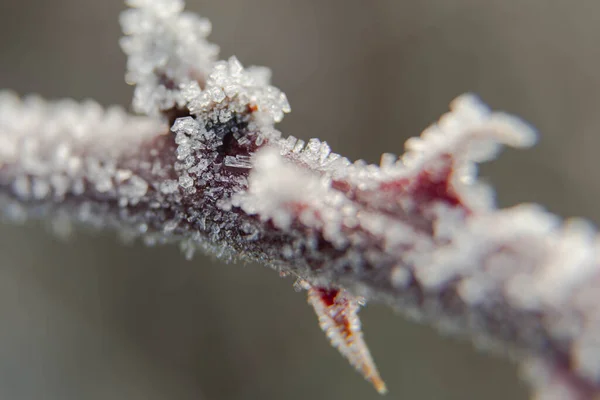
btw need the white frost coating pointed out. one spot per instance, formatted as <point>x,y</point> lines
<point>447,242</point>
<point>280,191</point>
<point>470,133</point>
<point>172,65</point>
<point>277,189</point>
<point>400,277</point>
<point>57,149</point>
<point>550,384</point>
<point>161,38</point>
<point>232,89</point>
<point>524,254</point>
<point>538,262</point>
<point>316,154</point>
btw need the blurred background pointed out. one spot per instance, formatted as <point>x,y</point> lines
<point>91,318</point>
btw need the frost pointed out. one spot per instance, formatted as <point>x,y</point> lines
<point>276,187</point>
<point>238,161</point>
<point>400,277</point>
<point>62,144</point>
<point>172,65</point>
<point>185,127</point>
<point>231,89</point>
<point>420,232</point>
<point>185,181</point>
<point>166,49</point>
<point>134,188</point>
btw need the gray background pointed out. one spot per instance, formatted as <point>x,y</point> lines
<point>91,318</point>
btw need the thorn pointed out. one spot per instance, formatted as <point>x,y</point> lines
<point>337,311</point>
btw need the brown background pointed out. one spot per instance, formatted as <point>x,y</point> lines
<point>91,318</point>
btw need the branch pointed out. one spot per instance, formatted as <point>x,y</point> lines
<point>420,233</point>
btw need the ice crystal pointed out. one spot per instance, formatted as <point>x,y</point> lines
<point>231,89</point>
<point>166,48</point>
<point>419,232</point>
<point>52,151</point>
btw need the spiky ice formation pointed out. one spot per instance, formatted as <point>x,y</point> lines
<point>166,48</point>
<point>420,233</point>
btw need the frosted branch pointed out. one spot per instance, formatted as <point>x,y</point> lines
<point>420,233</point>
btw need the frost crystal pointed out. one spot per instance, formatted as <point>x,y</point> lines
<point>238,161</point>
<point>166,49</point>
<point>231,89</point>
<point>419,232</point>
<point>54,150</point>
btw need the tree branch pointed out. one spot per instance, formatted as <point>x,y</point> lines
<point>419,233</point>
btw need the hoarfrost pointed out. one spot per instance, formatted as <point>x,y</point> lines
<point>231,89</point>
<point>238,161</point>
<point>62,144</point>
<point>420,232</point>
<point>166,49</point>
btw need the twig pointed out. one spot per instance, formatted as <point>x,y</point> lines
<point>419,233</point>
